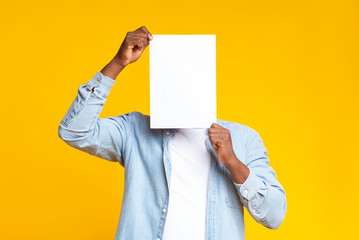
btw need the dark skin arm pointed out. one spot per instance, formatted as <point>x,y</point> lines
<point>221,141</point>
<point>131,49</point>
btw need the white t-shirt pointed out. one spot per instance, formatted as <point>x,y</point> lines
<point>190,160</point>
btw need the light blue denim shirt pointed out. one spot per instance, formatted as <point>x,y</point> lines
<point>143,152</point>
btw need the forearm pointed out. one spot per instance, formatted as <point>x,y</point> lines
<point>112,69</point>
<point>239,171</point>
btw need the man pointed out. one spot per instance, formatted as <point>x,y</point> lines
<point>179,183</point>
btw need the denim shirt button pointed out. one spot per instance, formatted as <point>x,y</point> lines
<point>164,210</point>
<point>167,132</point>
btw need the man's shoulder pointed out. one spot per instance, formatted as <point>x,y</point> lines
<point>138,115</point>
<point>136,118</point>
<point>134,115</point>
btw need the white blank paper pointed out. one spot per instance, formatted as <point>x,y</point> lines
<point>183,81</point>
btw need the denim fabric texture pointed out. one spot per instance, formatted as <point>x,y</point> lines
<point>143,152</point>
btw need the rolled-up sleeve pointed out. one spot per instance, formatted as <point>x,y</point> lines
<point>82,128</point>
<point>261,193</point>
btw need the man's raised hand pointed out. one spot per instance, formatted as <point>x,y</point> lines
<point>132,46</point>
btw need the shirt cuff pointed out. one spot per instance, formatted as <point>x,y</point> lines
<point>250,187</point>
<point>104,82</point>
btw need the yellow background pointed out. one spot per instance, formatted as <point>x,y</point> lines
<point>288,69</point>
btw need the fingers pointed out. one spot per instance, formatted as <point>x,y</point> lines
<point>216,142</point>
<point>215,128</point>
<point>215,125</point>
<point>136,43</point>
<point>143,29</point>
<point>217,137</point>
<point>215,147</point>
<point>139,42</point>
<point>218,134</point>
<point>139,38</point>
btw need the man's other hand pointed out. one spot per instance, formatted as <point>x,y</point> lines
<point>222,144</point>
<point>221,141</point>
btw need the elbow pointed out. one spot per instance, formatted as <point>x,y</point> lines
<point>270,212</point>
<point>68,137</point>
<point>272,221</point>
<point>60,132</point>
<point>64,134</point>
<point>271,218</point>
<point>276,215</point>
<point>74,137</point>
<point>67,134</point>
<point>275,223</point>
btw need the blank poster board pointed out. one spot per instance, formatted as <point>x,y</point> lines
<point>183,81</point>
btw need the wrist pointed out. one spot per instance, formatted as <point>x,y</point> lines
<point>112,69</point>
<point>232,163</point>
<point>117,61</point>
<point>239,171</point>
